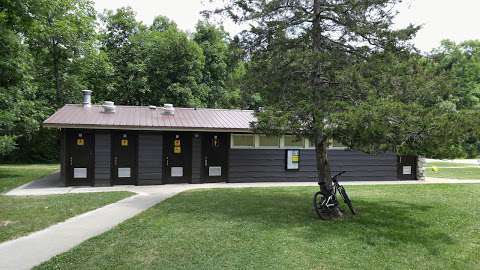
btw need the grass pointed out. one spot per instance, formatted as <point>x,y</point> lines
<point>455,173</point>
<point>25,214</point>
<point>399,227</point>
<point>453,170</point>
<point>448,164</point>
<point>12,176</point>
<point>20,215</point>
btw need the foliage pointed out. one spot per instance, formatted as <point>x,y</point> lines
<point>50,50</point>
<point>19,114</point>
<point>300,51</point>
<point>61,33</point>
<point>337,70</point>
<point>314,70</point>
<point>174,67</point>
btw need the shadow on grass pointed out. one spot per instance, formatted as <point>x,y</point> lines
<point>7,175</point>
<point>386,221</point>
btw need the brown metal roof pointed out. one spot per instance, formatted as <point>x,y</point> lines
<point>144,118</point>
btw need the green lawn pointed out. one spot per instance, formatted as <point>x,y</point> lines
<point>15,175</point>
<point>25,214</point>
<point>449,164</point>
<point>399,227</point>
<point>455,173</point>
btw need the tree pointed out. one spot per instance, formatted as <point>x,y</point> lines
<point>61,33</point>
<point>174,65</point>
<point>462,62</point>
<point>122,39</point>
<point>162,23</point>
<point>214,43</point>
<point>302,51</point>
<point>19,114</point>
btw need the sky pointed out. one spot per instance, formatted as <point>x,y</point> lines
<point>457,20</point>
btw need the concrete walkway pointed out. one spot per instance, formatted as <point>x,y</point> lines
<point>51,185</point>
<point>31,250</point>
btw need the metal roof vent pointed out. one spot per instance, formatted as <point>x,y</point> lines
<point>108,107</point>
<point>168,109</point>
<point>87,98</point>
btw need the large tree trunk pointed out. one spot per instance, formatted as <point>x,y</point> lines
<point>320,89</point>
<point>324,175</point>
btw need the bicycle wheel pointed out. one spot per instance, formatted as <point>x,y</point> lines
<point>346,199</point>
<point>318,204</point>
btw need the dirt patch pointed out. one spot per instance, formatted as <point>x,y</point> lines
<point>5,223</point>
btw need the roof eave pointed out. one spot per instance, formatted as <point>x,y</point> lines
<point>193,129</point>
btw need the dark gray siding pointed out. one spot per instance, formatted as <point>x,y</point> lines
<point>63,155</point>
<point>196,159</point>
<point>150,159</point>
<point>257,165</point>
<point>102,159</point>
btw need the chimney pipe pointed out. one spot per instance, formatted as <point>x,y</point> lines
<point>87,98</point>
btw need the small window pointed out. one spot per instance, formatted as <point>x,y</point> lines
<point>269,141</point>
<point>243,140</point>
<point>294,141</point>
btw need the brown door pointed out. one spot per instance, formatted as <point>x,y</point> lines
<point>177,157</point>
<point>215,157</point>
<point>80,158</point>
<point>124,158</point>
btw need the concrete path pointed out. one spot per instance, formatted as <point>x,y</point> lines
<point>50,185</point>
<point>31,250</point>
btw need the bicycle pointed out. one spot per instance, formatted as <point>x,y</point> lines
<point>322,204</point>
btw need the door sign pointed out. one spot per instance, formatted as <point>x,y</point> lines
<point>80,140</point>
<point>215,142</point>
<point>177,147</point>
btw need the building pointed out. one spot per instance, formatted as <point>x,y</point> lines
<point>114,145</point>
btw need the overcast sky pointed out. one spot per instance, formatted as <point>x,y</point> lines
<point>458,20</point>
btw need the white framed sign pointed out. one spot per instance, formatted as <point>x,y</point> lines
<point>124,172</point>
<point>176,171</point>
<point>79,172</point>
<point>214,171</point>
<point>407,170</point>
<point>293,159</point>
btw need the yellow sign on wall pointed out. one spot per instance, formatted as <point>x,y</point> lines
<point>80,142</point>
<point>124,142</point>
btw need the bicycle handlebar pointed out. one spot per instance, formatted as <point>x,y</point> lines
<point>334,178</point>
